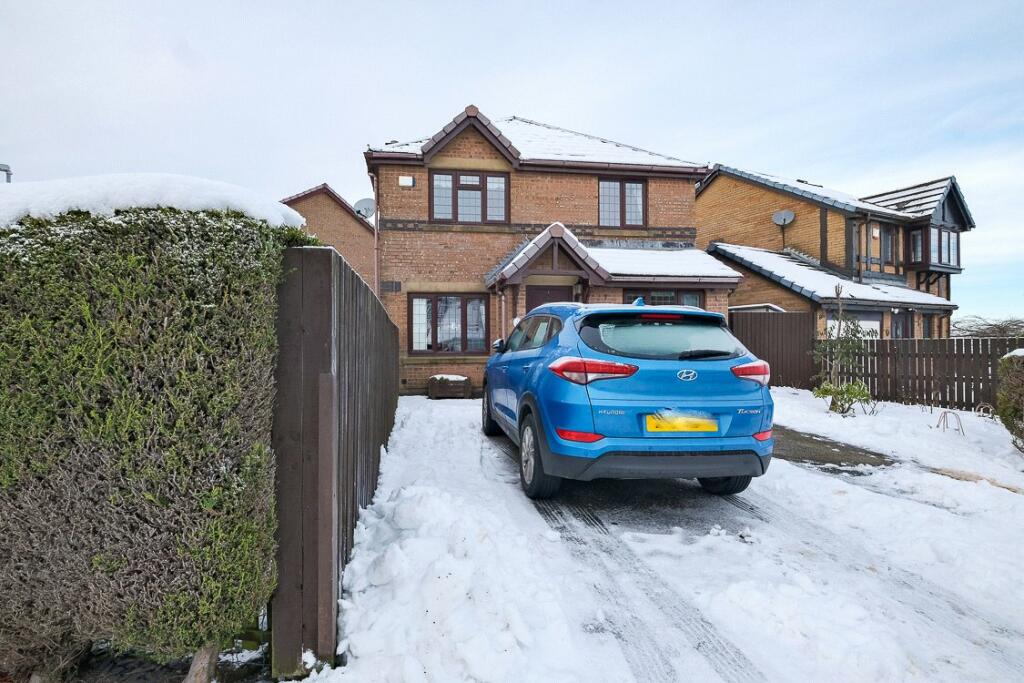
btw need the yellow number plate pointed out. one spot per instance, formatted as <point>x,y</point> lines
<point>680,423</point>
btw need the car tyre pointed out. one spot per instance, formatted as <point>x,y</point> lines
<point>724,486</point>
<point>536,482</point>
<point>487,423</point>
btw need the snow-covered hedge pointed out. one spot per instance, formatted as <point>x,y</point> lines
<point>137,352</point>
<point>1010,401</point>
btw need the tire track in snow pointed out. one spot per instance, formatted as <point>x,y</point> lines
<point>928,600</point>
<point>595,545</point>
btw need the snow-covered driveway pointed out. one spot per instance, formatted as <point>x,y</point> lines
<point>895,573</point>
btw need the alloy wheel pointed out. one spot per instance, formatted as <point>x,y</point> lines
<point>527,454</point>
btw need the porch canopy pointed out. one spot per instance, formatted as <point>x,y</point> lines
<point>557,253</point>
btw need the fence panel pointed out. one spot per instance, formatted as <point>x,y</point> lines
<point>337,390</point>
<point>785,340</point>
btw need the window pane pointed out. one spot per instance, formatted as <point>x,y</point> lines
<point>945,246</point>
<point>443,197</point>
<point>538,334</point>
<point>634,204</point>
<point>665,297</point>
<point>915,246</point>
<point>887,244</point>
<point>476,325</point>
<point>495,199</point>
<point>449,323</point>
<point>691,299</point>
<point>515,340</point>
<point>933,248</point>
<point>627,334</point>
<point>469,205</point>
<point>422,324</point>
<point>608,203</point>
<point>469,180</point>
<point>954,248</point>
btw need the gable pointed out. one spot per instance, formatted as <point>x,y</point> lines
<point>469,150</point>
<point>952,210</point>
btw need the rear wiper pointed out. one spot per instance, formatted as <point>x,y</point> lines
<point>703,353</point>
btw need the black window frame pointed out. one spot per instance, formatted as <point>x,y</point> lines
<point>457,185</point>
<point>888,241</point>
<point>465,298</point>
<point>917,234</point>
<point>623,181</point>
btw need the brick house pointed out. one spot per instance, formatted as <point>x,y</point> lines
<point>893,253</point>
<point>335,222</point>
<point>486,219</point>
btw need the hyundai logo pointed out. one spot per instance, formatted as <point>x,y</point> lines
<point>687,375</point>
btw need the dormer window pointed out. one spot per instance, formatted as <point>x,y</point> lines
<point>470,197</point>
<point>621,203</point>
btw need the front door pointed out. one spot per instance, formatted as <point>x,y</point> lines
<point>902,326</point>
<point>537,295</point>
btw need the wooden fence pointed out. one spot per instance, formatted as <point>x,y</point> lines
<point>785,340</point>
<point>960,372</point>
<point>337,389</point>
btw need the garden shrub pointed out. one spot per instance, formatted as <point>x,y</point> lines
<point>137,358</point>
<point>1010,399</point>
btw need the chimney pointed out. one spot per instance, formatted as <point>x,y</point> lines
<point>5,169</point>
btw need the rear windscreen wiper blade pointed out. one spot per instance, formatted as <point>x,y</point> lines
<point>703,353</point>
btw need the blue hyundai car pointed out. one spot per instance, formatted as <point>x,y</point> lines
<point>629,392</point>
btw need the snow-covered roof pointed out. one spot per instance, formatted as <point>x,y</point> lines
<point>814,282</point>
<point>803,188</point>
<point>660,262</point>
<point>619,263</point>
<point>919,200</point>
<point>105,194</point>
<point>529,140</point>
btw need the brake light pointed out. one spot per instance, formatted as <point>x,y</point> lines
<point>763,436</point>
<point>660,316</point>
<point>586,370</point>
<point>759,371</point>
<point>582,437</point>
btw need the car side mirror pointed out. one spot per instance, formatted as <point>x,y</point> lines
<point>498,346</point>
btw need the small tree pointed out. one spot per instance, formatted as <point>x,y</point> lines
<point>836,352</point>
<point>1010,400</point>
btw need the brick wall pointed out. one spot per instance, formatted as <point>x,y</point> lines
<point>335,226</point>
<point>740,212</point>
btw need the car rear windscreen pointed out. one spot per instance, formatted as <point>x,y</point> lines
<point>659,336</point>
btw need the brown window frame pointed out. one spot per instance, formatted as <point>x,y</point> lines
<point>465,298</point>
<point>622,200</point>
<point>630,295</point>
<point>910,245</point>
<point>482,187</point>
<point>888,233</point>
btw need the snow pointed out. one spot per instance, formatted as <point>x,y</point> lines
<point>543,142</point>
<point>661,262</point>
<point>449,378</point>
<point>1016,353</point>
<point>919,200</point>
<point>821,283</point>
<point>876,573</point>
<point>105,194</point>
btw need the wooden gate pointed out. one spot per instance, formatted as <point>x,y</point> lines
<point>337,390</point>
<point>785,340</point>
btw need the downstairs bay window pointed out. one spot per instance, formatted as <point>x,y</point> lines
<point>448,323</point>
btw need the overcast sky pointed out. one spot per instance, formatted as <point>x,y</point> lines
<point>282,96</point>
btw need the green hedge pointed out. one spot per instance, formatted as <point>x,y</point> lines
<point>1010,399</point>
<point>136,390</point>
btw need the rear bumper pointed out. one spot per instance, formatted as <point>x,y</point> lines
<point>632,465</point>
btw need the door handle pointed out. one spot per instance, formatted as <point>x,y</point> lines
<point>526,368</point>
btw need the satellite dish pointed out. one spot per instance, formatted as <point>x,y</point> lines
<point>783,218</point>
<point>366,207</point>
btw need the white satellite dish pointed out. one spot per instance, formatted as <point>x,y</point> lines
<point>783,218</point>
<point>366,207</point>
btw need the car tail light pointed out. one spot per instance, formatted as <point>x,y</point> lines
<point>759,371</point>
<point>586,370</point>
<point>583,437</point>
<point>763,436</point>
<point>660,316</point>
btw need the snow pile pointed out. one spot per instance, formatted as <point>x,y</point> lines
<point>1016,353</point>
<point>449,378</point>
<point>664,262</point>
<point>105,194</point>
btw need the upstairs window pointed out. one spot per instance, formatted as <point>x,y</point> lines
<point>621,203</point>
<point>933,245</point>
<point>665,297</point>
<point>469,197</point>
<point>916,246</point>
<point>888,245</point>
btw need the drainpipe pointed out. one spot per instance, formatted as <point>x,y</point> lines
<point>6,170</point>
<point>376,235</point>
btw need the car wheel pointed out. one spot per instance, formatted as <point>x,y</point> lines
<point>488,425</point>
<point>536,482</point>
<point>724,486</point>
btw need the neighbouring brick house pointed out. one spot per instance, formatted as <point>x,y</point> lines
<point>336,223</point>
<point>487,219</point>
<point>893,253</point>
